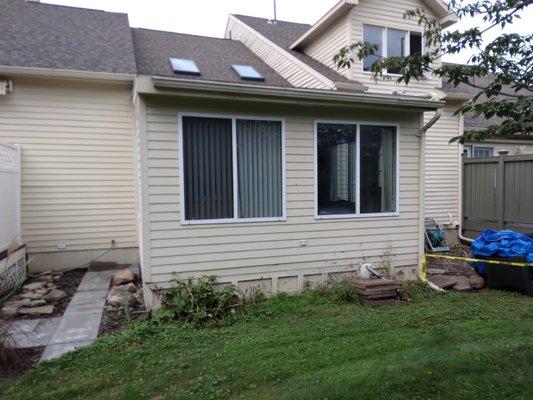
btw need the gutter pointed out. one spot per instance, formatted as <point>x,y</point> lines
<point>66,73</point>
<point>278,93</point>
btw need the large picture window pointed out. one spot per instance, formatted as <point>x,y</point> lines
<point>232,169</point>
<point>356,169</point>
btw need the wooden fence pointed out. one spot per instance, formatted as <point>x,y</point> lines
<point>497,194</point>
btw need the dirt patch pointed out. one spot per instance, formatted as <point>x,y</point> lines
<point>116,318</point>
<point>452,267</point>
<point>22,361</point>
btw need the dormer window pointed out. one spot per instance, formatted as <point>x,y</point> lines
<point>390,43</point>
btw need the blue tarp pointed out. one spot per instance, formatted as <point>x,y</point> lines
<point>506,244</point>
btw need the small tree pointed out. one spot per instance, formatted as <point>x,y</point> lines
<point>507,61</point>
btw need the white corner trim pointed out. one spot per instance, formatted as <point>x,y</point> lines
<point>338,9</point>
<point>318,76</point>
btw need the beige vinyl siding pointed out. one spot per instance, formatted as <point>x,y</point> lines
<point>291,69</point>
<point>442,192</point>
<point>248,251</point>
<point>324,47</point>
<point>386,14</point>
<point>77,144</point>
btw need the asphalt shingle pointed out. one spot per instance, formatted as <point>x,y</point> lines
<point>57,37</point>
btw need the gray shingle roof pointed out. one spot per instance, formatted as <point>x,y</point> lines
<point>58,37</point>
<point>212,55</point>
<point>284,34</point>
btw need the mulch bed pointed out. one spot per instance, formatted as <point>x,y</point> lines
<point>22,361</point>
<point>453,267</point>
<point>68,282</point>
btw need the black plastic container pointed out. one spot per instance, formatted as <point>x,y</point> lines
<point>509,276</point>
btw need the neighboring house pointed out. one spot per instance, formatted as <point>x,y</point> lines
<point>256,160</point>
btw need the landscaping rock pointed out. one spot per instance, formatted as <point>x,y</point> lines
<point>120,295</point>
<point>32,296</point>
<point>122,277</point>
<point>10,310</point>
<point>444,281</point>
<point>37,303</point>
<point>463,284</point>
<point>45,278</point>
<point>33,286</point>
<point>19,302</point>
<point>476,281</point>
<point>41,291</point>
<point>55,295</point>
<point>436,271</point>
<point>44,310</point>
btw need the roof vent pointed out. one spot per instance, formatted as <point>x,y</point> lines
<point>275,20</point>
<point>184,66</point>
<point>247,72</point>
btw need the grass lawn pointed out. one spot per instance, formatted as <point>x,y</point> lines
<point>453,346</point>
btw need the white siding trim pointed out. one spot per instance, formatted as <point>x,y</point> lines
<point>318,76</point>
<point>235,219</point>
<point>358,213</point>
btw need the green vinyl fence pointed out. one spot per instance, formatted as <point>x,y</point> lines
<point>497,194</point>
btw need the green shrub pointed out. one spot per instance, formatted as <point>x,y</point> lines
<point>343,292</point>
<point>199,303</point>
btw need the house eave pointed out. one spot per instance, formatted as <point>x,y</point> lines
<point>182,87</point>
<point>339,9</point>
<point>65,73</point>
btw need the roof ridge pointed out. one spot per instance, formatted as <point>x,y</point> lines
<point>182,33</point>
<point>267,19</point>
<point>35,3</point>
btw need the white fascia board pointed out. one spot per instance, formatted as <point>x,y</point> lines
<point>152,85</point>
<point>65,73</point>
<point>339,9</point>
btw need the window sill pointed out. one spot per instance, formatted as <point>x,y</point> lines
<point>232,221</point>
<point>357,216</point>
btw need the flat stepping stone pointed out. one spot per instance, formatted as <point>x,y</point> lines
<point>80,324</point>
<point>443,281</point>
<point>34,333</point>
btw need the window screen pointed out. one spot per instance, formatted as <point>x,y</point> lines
<point>395,46</point>
<point>208,172</point>
<point>209,164</point>
<point>378,169</point>
<point>336,152</point>
<point>373,35</point>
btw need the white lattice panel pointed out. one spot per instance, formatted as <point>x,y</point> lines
<point>12,271</point>
<point>10,197</point>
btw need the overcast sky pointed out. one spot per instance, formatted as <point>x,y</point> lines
<point>208,17</point>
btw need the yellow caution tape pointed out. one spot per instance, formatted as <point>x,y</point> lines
<point>514,264</point>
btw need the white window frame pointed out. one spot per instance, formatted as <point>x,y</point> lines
<point>235,218</point>
<point>384,44</point>
<point>471,147</point>
<point>357,213</point>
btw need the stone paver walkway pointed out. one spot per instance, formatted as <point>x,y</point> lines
<point>80,324</point>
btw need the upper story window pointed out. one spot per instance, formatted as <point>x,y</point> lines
<point>390,43</point>
<point>478,151</point>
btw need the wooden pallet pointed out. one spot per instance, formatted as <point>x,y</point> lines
<point>376,292</point>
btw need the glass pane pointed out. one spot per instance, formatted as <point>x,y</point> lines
<point>259,168</point>
<point>378,169</point>
<point>395,46</point>
<point>208,169</point>
<point>415,43</point>
<point>184,66</point>
<point>336,152</point>
<point>247,72</point>
<point>480,152</point>
<point>372,35</point>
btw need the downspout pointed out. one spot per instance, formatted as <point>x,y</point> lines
<point>422,197</point>
<point>462,238</point>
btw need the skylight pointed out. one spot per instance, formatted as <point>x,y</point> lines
<point>184,66</point>
<point>247,72</point>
